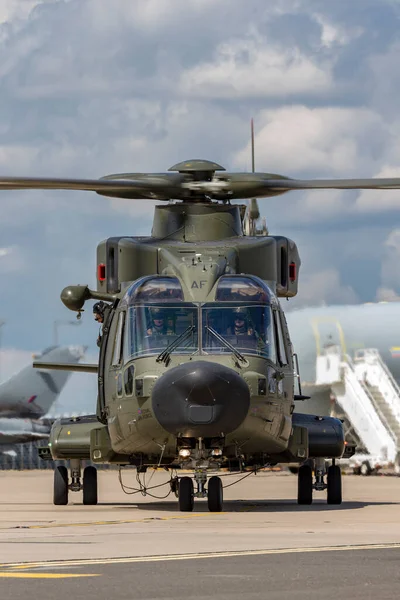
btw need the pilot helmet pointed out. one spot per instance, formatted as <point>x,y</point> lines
<point>240,313</point>
<point>157,313</point>
<point>99,307</point>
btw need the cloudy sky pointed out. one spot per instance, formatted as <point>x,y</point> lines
<point>90,87</point>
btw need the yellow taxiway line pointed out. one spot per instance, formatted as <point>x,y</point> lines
<point>117,522</point>
<point>15,575</point>
<point>171,557</point>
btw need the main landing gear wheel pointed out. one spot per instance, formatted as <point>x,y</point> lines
<point>365,469</point>
<point>186,494</point>
<point>90,485</point>
<point>60,490</point>
<point>334,485</point>
<point>305,485</point>
<point>215,495</point>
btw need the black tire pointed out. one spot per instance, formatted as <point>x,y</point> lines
<point>366,469</point>
<point>334,485</point>
<point>305,485</point>
<point>186,494</point>
<point>215,495</point>
<point>60,489</point>
<point>294,470</point>
<point>90,485</point>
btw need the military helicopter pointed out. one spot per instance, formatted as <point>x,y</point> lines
<point>196,368</point>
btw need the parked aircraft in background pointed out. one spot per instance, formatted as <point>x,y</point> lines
<point>31,392</point>
<point>29,395</point>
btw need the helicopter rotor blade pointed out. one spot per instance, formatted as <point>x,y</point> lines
<point>392,183</point>
<point>181,186</point>
<point>261,185</point>
<point>151,186</point>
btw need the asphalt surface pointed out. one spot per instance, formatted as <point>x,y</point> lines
<point>263,545</point>
<point>359,575</point>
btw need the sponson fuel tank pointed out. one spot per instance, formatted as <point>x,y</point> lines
<point>325,435</point>
<point>200,399</point>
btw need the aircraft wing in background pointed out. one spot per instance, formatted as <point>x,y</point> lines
<point>31,392</point>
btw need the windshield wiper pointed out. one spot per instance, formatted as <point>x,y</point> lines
<point>220,338</point>
<point>165,354</point>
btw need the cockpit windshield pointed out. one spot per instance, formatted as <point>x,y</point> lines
<point>153,328</point>
<point>248,329</point>
<point>239,321</point>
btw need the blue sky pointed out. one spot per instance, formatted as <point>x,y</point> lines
<point>90,87</point>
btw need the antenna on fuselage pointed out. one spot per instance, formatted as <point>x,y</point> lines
<point>253,211</point>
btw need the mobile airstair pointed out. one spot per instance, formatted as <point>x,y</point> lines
<point>369,399</point>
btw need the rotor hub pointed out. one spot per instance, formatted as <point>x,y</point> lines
<point>199,170</point>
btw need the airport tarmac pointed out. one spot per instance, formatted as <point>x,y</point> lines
<point>149,549</point>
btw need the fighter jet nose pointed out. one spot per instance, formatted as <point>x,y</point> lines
<point>200,399</point>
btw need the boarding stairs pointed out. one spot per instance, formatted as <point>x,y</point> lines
<point>368,396</point>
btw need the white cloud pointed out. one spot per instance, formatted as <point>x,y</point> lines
<point>324,288</point>
<point>325,140</point>
<point>384,294</point>
<point>11,10</point>
<point>334,33</point>
<point>377,201</point>
<point>251,68</point>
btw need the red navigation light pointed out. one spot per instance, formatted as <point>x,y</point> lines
<point>101,272</point>
<point>292,271</point>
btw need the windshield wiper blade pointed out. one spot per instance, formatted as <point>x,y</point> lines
<point>220,338</point>
<point>165,354</point>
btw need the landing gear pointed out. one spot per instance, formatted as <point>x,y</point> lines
<point>334,485</point>
<point>90,485</point>
<point>60,490</point>
<point>62,487</point>
<point>214,492</point>
<point>365,469</point>
<point>215,496</point>
<point>306,485</point>
<point>186,494</point>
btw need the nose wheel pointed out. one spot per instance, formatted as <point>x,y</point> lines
<point>215,495</point>
<point>186,494</point>
<point>214,492</point>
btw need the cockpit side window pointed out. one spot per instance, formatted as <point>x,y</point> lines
<point>282,353</point>
<point>117,350</point>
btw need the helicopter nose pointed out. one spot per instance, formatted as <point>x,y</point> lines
<point>200,399</point>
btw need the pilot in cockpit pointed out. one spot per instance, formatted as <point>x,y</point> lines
<point>159,324</point>
<point>241,324</point>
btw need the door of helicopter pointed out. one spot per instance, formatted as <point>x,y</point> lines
<point>284,384</point>
<point>101,398</point>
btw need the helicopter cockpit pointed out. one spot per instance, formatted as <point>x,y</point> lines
<point>238,320</point>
